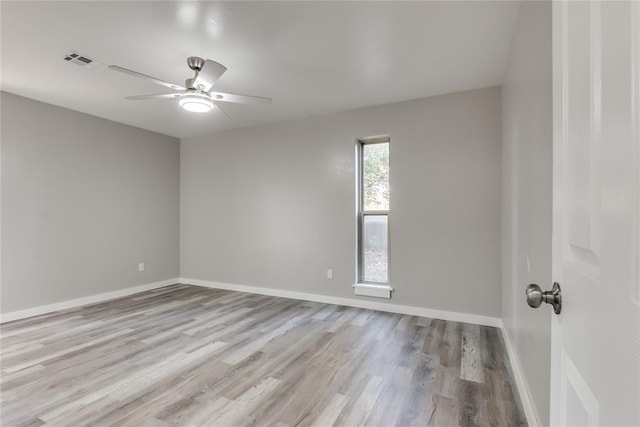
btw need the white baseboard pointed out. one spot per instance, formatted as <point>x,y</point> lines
<point>352,302</point>
<point>521,382</point>
<point>63,305</point>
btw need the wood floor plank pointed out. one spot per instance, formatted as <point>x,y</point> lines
<point>445,412</point>
<point>331,412</point>
<point>238,412</point>
<point>187,355</point>
<point>210,412</point>
<point>471,363</point>
<point>390,405</point>
<point>418,405</point>
<point>364,403</point>
<point>10,367</point>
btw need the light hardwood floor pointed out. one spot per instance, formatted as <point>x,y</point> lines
<point>187,355</point>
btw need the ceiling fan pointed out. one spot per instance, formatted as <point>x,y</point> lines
<point>196,95</point>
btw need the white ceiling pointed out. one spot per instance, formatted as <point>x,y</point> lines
<point>310,57</point>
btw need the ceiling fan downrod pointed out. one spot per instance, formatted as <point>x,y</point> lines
<point>195,63</point>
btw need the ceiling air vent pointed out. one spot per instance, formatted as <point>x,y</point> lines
<point>80,59</point>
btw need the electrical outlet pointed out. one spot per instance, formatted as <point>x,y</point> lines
<point>141,267</point>
<point>329,274</point>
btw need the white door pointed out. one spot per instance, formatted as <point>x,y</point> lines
<point>595,360</point>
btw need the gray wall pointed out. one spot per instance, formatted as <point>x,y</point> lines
<point>273,205</point>
<point>526,181</point>
<point>83,201</point>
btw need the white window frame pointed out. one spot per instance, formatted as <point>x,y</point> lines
<point>367,287</point>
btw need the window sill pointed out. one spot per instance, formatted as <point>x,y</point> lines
<point>378,291</point>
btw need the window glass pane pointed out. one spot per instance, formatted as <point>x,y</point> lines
<point>375,170</point>
<point>375,249</point>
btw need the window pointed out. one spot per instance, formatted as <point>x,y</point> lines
<point>373,211</point>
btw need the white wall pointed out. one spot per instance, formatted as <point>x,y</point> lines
<point>526,181</point>
<point>274,205</point>
<point>83,201</point>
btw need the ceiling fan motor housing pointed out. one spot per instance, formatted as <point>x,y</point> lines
<point>195,63</point>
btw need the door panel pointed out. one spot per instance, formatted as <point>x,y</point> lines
<point>580,406</point>
<point>596,338</point>
<point>581,141</point>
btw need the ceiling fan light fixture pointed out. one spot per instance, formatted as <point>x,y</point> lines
<point>196,102</point>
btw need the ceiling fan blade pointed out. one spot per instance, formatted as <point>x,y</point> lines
<point>146,77</point>
<point>156,96</point>
<point>239,99</point>
<point>209,74</point>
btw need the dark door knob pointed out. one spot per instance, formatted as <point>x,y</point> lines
<point>535,297</point>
